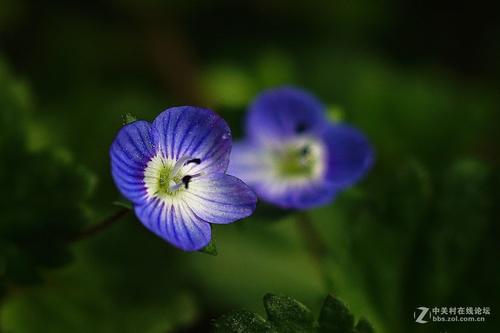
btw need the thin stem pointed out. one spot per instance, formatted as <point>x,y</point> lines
<point>100,226</point>
<point>316,247</point>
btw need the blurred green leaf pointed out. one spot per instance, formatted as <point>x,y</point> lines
<point>287,314</point>
<point>106,294</point>
<point>123,204</point>
<point>210,249</point>
<point>15,104</point>
<point>335,317</point>
<point>242,322</point>
<point>128,118</point>
<point>228,85</point>
<point>364,326</point>
<point>46,197</point>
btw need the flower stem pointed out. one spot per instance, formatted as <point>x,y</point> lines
<point>100,226</point>
<point>316,247</point>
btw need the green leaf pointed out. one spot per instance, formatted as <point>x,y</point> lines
<point>210,249</point>
<point>44,209</point>
<point>15,103</point>
<point>287,314</point>
<point>364,326</point>
<point>128,118</point>
<point>242,321</point>
<point>46,192</point>
<point>335,317</point>
<point>118,290</point>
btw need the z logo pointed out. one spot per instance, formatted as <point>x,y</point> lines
<point>420,318</point>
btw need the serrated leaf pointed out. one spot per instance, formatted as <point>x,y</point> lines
<point>287,314</point>
<point>242,321</point>
<point>335,317</point>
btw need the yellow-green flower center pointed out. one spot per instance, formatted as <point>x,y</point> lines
<point>299,160</point>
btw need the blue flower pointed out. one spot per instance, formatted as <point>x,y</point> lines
<point>173,171</point>
<point>292,156</point>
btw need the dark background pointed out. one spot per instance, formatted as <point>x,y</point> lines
<point>420,78</point>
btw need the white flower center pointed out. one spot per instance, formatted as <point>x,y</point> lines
<point>167,178</point>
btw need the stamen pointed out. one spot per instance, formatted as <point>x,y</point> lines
<point>184,182</point>
<point>174,187</point>
<point>178,165</point>
<point>182,162</point>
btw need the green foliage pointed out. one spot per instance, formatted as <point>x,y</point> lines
<point>335,317</point>
<point>242,322</point>
<point>46,193</point>
<point>364,326</point>
<point>287,315</point>
<point>128,118</point>
<point>107,290</point>
<point>210,249</point>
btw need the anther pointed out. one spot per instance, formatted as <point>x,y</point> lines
<point>194,160</point>
<point>305,151</point>
<point>301,127</point>
<point>186,180</point>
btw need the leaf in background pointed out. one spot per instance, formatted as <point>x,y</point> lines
<point>210,249</point>
<point>109,287</point>
<point>364,326</point>
<point>42,203</point>
<point>242,322</point>
<point>335,317</point>
<point>15,103</point>
<point>287,314</point>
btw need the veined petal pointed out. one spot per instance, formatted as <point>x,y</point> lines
<point>350,155</point>
<point>220,198</point>
<point>278,114</point>
<point>196,133</point>
<point>130,152</point>
<point>175,222</point>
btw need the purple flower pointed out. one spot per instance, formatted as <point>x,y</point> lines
<point>173,171</point>
<point>292,156</point>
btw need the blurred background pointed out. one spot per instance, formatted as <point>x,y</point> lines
<point>420,78</point>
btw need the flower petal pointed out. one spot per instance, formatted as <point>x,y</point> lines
<point>175,222</point>
<point>249,163</point>
<point>350,155</point>
<point>220,198</point>
<point>196,133</point>
<point>304,195</point>
<point>281,113</point>
<point>130,152</point>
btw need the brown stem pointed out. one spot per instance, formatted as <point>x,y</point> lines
<point>316,247</point>
<point>100,226</point>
